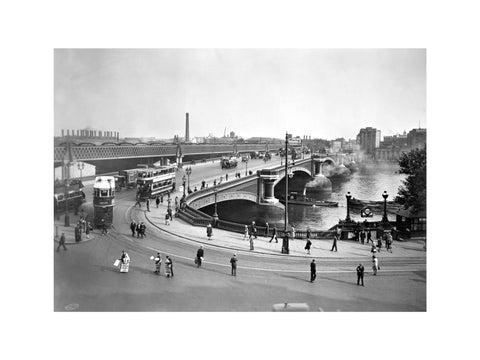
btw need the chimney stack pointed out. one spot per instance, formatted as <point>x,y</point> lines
<point>187,129</point>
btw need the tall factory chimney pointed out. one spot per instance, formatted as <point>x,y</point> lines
<point>187,129</point>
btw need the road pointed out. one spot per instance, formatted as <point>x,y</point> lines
<point>85,279</point>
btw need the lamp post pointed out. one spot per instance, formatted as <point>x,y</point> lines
<point>348,196</point>
<point>184,180</point>
<point>188,171</point>
<point>80,166</point>
<point>215,214</point>
<point>385,196</point>
<point>246,163</point>
<point>285,246</point>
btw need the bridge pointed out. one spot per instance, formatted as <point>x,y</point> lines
<point>259,187</point>
<point>116,156</point>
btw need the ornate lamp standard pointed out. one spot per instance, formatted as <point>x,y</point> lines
<point>385,196</point>
<point>188,171</point>
<point>348,196</point>
<point>184,179</point>
<point>215,214</point>
<point>285,245</point>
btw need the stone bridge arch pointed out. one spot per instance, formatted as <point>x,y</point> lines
<point>209,199</point>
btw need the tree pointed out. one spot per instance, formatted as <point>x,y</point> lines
<point>413,192</point>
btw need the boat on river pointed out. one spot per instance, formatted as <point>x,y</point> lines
<point>297,199</point>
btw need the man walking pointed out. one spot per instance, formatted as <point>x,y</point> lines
<point>267,229</point>
<point>254,229</point>
<point>169,266</point>
<point>362,237</point>
<point>199,258</point>
<point>61,242</point>
<point>360,271</point>
<point>369,236</point>
<point>133,226</point>
<point>233,261</point>
<point>148,204</point>
<point>313,271</point>
<point>157,201</point>
<point>334,246</point>
<point>104,227</point>
<point>274,235</point>
<point>138,201</point>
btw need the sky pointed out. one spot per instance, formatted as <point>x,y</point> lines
<point>322,93</point>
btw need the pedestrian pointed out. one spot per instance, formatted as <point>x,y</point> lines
<point>309,233</point>
<point>374,248</point>
<point>133,226</point>
<point>209,231</point>
<point>308,245</point>
<point>167,219</point>
<point>245,235</point>
<point>233,261</point>
<point>148,204</point>
<point>161,199</point>
<point>137,202</point>
<point>254,229</point>
<point>104,227</point>
<point>379,244</point>
<point>61,242</point>
<point>226,177</point>
<point>195,189</point>
<point>169,212</point>
<point>158,263</point>
<point>157,201</point>
<point>362,237</point>
<point>369,236</point>
<point>87,230</point>
<point>143,227</point>
<point>169,266</point>
<point>360,271</point>
<point>313,271</point>
<point>267,229</point>
<point>293,232</point>
<point>334,245</point>
<point>124,262</point>
<point>274,235</point>
<point>139,230</point>
<point>215,182</point>
<point>389,242</point>
<point>199,258</point>
<point>375,266</point>
<point>176,201</point>
<point>251,243</point>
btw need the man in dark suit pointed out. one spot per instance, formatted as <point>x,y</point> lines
<point>199,258</point>
<point>334,245</point>
<point>313,270</point>
<point>360,271</point>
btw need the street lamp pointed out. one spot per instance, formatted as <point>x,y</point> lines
<point>348,196</point>
<point>246,162</point>
<point>385,196</point>
<point>188,170</point>
<point>80,166</point>
<point>215,214</point>
<point>285,246</point>
<point>184,180</point>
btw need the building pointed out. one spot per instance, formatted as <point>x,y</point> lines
<point>369,140</point>
<point>417,138</point>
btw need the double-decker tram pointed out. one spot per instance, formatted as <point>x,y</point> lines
<point>103,200</point>
<point>75,197</point>
<point>152,182</point>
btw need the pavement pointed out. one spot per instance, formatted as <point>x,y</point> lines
<point>237,242</point>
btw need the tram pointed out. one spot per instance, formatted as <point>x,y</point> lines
<point>152,182</point>
<point>103,200</point>
<point>75,198</point>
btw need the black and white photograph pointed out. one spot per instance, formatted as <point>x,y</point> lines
<point>240,180</point>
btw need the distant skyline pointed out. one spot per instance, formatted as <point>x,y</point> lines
<point>323,93</point>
